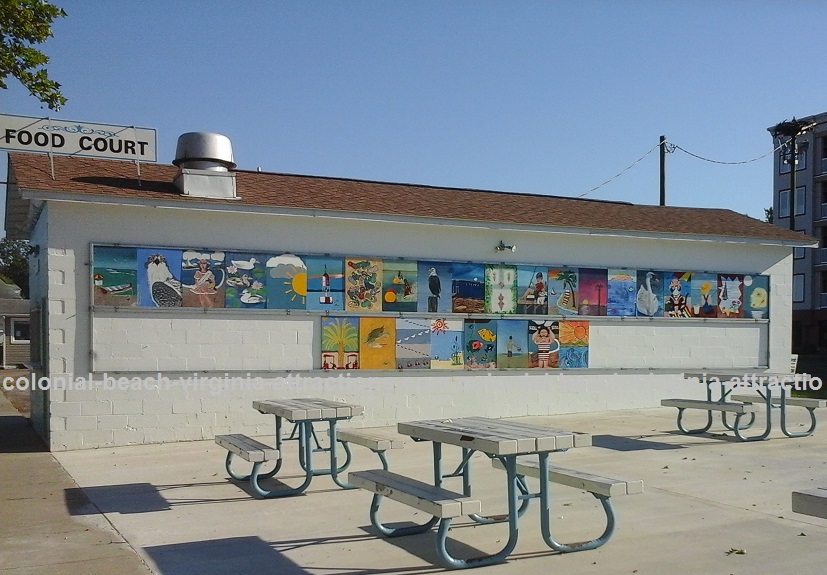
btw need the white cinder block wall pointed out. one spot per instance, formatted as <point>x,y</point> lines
<point>633,363</point>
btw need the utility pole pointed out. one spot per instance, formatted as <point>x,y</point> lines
<point>663,170</point>
<point>791,129</point>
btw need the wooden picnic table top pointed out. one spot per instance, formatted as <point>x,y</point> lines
<point>494,436</point>
<point>308,408</point>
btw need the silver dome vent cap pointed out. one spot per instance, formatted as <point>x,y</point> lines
<point>204,151</point>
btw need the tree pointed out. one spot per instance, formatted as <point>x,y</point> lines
<point>23,24</point>
<point>768,215</point>
<point>14,263</point>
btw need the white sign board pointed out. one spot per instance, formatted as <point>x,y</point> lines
<point>44,135</point>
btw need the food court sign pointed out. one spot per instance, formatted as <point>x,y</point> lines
<point>45,135</point>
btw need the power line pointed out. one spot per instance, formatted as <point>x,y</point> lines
<point>671,148</point>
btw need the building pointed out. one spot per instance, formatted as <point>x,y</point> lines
<point>14,310</point>
<point>171,296</point>
<point>805,212</point>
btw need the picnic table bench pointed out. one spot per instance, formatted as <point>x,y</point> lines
<point>811,502</point>
<point>809,403</point>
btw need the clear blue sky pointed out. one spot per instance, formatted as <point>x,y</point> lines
<point>544,97</point>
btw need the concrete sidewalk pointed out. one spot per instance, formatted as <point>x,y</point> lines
<point>39,529</point>
<point>707,498</point>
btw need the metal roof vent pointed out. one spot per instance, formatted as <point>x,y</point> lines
<point>204,160</point>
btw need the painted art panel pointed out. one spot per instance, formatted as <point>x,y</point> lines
<point>413,343</point>
<point>543,343</point>
<point>592,292</point>
<point>500,288</point>
<point>447,344</point>
<point>574,357</point>
<point>730,295</point>
<point>467,288</point>
<point>677,294</point>
<point>532,290</point>
<point>246,280</point>
<point>399,285</point>
<point>203,278</point>
<point>704,295</point>
<point>649,297</point>
<point>621,300</point>
<point>286,282</point>
<point>480,344</point>
<point>757,297</point>
<point>434,289</point>
<point>325,283</point>
<point>574,333</point>
<point>363,284</point>
<point>512,343</point>
<point>340,342</point>
<point>115,276</point>
<point>562,291</point>
<point>159,277</point>
<point>377,343</point>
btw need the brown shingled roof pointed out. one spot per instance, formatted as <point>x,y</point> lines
<point>96,177</point>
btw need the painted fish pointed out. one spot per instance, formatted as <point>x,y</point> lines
<point>487,335</point>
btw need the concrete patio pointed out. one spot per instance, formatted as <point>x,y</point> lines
<point>711,505</point>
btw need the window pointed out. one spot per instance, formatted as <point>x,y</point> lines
<point>798,253</point>
<point>20,331</point>
<point>800,202</point>
<point>800,159</point>
<point>798,287</point>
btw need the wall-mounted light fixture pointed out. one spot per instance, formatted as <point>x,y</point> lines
<point>501,247</point>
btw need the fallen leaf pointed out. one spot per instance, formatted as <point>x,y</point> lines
<point>734,551</point>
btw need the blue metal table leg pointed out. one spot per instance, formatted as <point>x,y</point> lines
<point>737,427</point>
<point>334,470</point>
<point>784,429</point>
<point>545,516</point>
<point>306,450</point>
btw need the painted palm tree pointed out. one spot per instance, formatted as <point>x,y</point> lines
<point>340,334</point>
<point>567,298</point>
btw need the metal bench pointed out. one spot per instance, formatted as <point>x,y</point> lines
<point>603,488</point>
<point>441,504</point>
<point>709,405</point>
<point>811,502</point>
<point>377,439</point>
<point>809,403</point>
<point>249,449</point>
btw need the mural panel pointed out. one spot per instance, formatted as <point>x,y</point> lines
<point>377,343</point>
<point>286,282</point>
<point>562,291</point>
<point>447,344</point>
<point>512,343</point>
<point>434,289</point>
<point>592,292</point>
<point>757,297</point>
<point>649,298</point>
<point>532,290</point>
<point>730,296</point>
<point>467,288</point>
<point>115,276</point>
<point>340,343</point>
<point>621,293</point>
<point>480,344</point>
<point>363,284</point>
<point>704,295</point>
<point>574,344</point>
<point>677,294</point>
<point>413,343</point>
<point>500,288</point>
<point>325,283</point>
<point>159,278</point>
<point>246,280</point>
<point>203,279</point>
<point>400,286</point>
<point>543,343</point>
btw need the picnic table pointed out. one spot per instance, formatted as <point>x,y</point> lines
<point>740,395</point>
<point>303,413</point>
<point>521,449</point>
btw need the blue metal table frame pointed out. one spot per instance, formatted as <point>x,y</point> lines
<point>302,412</point>
<point>497,439</point>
